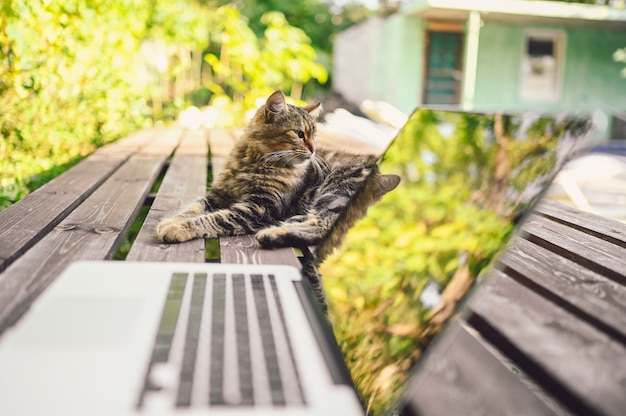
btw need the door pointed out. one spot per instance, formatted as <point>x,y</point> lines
<point>443,68</point>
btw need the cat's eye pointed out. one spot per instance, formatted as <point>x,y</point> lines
<point>300,134</point>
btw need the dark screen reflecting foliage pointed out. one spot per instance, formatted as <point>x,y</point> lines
<point>474,176</point>
<point>494,162</point>
<point>477,175</point>
<point>467,179</point>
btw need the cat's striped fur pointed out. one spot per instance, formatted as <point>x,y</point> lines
<point>278,185</point>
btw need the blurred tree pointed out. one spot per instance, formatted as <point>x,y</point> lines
<point>320,19</point>
<point>245,68</point>
<point>77,74</point>
<point>68,82</point>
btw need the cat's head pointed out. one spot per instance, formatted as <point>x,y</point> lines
<point>286,133</point>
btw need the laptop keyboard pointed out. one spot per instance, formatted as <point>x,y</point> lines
<point>222,341</point>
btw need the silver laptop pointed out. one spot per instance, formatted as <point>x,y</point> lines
<point>123,338</point>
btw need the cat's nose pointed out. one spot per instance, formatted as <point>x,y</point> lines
<point>310,144</point>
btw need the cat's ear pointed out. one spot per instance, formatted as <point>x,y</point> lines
<point>274,105</point>
<point>314,109</point>
<point>386,183</point>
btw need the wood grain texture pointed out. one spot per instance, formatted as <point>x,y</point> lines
<point>184,182</point>
<point>23,224</point>
<point>598,298</point>
<point>585,249</point>
<point>587,365</point>
<point>93,231</point>
<point>132,144</point>
<point>601,227</point>
<point>245,250</point>
<point>460,376</point>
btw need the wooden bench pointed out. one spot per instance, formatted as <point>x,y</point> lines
<point>545,335</point>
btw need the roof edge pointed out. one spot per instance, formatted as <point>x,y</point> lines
<point>523,8</point>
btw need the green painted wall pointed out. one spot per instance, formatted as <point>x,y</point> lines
<point>498,69</point>
<point>400,67</point>
<point>589,69</point>
<point>591,81</point>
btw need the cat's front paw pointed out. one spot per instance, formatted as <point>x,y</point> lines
<point>298,233</point>
<point>273,237</point>
<point>174,230</point>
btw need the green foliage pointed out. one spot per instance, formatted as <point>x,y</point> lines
<point>65,87</point>
<point>246,68</point>
<point>319,19</point>
<point>77,74</point>
<point>375,280</point>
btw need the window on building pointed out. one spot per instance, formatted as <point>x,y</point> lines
<point>542,66</point>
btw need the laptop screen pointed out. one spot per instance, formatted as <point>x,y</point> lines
<point>467,180</point>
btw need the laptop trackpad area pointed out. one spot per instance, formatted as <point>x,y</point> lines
<point>74,322</point>
<point>89,333</point>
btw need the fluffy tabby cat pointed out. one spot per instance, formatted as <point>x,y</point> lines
<point>280,186</point>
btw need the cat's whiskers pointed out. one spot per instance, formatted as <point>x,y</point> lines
<point>282,158</point>
<point>274,158</point>
<point>319,165</point>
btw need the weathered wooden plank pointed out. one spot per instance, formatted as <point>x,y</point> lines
<point>245,250</point>
<point>585,249</point>
<point>129,145</point>
<point>602,227</point>
<point>184,181</point>
<point>581,365</point>
<point>600,299</point>
<point>23,224</point>
<point>460,376</point>
<point>94,230</point>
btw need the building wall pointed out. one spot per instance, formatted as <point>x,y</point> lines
<point>589,69</point>
<point>498,67</point>
<point>591,82</point>
<point>382,59</point>
<point>400,63</point>
<point>355,60</point>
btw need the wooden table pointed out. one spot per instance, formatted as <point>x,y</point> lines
<point>545,335</point>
